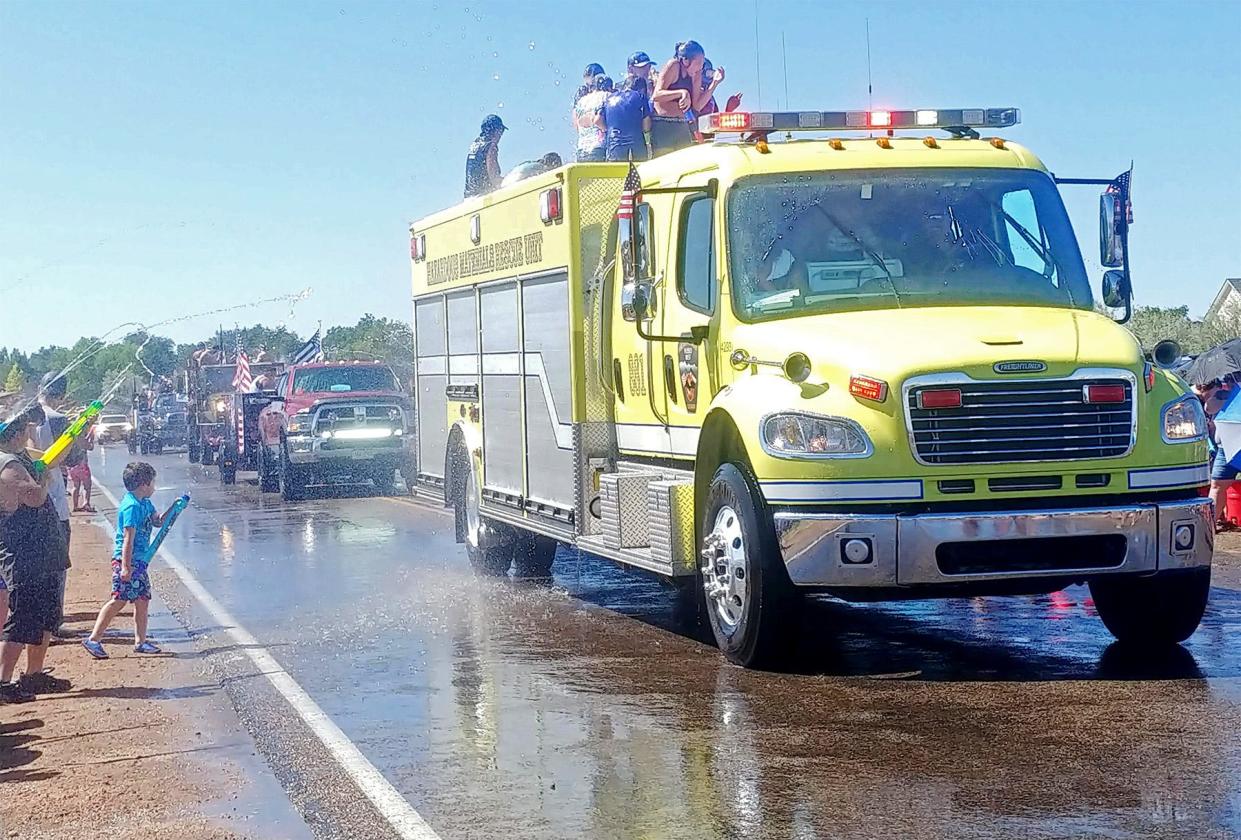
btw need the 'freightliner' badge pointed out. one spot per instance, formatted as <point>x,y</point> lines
<point>1019,367</point>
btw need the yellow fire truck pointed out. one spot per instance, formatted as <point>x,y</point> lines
<point>869,366</point>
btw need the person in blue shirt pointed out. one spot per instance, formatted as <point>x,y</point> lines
<point>626,116</point>
<point>130,582</point>
<point>482,163</point>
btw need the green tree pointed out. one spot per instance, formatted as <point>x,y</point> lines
<point>16,380</point>
<point>383,339</point>
<point>1152,324</point>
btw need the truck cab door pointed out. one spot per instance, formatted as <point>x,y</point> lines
<point>639,400</point>
<point>690,297</point>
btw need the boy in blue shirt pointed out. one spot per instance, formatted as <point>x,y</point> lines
<point>130,582</point>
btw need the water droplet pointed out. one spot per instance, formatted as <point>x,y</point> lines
<point>556,83</point>
<point>489,38</point>
<point>499,104</point>
<point>531,45</point>
<point>495,76</point>
<point>495,54</point>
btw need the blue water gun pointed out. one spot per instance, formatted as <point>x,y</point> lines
<point>169,518</point>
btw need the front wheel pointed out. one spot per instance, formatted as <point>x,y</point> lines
<point>1161,609</point>
<point>385,481</point>
<point>291,480</point>
<point>751,605</point>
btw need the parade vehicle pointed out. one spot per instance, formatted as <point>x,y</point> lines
<point>869,366</point>
<point>209,413</point>
<point>112,428</point>
<point>334,423</point>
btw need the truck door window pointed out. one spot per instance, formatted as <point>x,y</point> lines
<point>697,278</point>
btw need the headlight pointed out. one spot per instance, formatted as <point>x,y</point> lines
<point>221,405</point>
<point>1184,420</point>
<point>299,423</point>
<point>127,427</point>
<point>796,435</point>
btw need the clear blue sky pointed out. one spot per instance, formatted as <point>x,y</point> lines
<point>159,159</point>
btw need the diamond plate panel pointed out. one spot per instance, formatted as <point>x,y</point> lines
<point>624,508</point>
<point>670,510</point>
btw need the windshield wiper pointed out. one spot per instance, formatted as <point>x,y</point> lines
<point>870,254</point>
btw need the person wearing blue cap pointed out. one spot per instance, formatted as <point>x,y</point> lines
<point>482,164</point>
<point>639,67</point>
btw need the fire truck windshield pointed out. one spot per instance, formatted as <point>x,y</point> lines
<point>831,241</point>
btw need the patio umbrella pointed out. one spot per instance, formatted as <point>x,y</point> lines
<point>1215,363</point>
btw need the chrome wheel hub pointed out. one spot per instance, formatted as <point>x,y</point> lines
<point>473,520</point>
<point>725,568</point>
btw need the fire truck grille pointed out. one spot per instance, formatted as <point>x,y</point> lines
<point>358,417</point>
<point>1011,422</point>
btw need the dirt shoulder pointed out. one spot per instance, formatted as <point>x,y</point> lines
<point>1227,561</point>
<point>141,746</point>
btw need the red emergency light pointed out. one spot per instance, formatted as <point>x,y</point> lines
<point>939,398</point>
<point>1103,394</point>
<point>549,205</point>
<point>418,247</point>
<point>868,388</point>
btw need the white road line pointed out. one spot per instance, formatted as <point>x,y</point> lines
<point>392,806</point>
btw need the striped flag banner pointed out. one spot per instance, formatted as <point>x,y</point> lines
<point>312,350</point>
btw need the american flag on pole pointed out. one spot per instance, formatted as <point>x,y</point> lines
<point>1120,189</point>
<point>312,350</point>
<point>242,380</point>
<point>629,194</point>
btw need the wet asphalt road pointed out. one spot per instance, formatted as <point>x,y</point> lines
<point>580,708</point>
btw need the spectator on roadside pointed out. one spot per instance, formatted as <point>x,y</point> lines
<point>588,81</point>
<point>679,92</point>
<point>51,425</point>
<point>32,562</point>
<point>588,121</point>
<point>131,584</point>
<point>638,67</point>
<point>626,119</point>
<point>482,164</point>
<point>530,168</point>
<point>78,462</point>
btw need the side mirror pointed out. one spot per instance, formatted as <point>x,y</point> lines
<point>636,301</point>
<point>1115,291</point>
<point>796,367</point>
<point>1111,248</point>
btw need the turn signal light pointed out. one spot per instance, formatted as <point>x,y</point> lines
<point>868,388</point>
<point>940,398</point>
<point>1103,394</point>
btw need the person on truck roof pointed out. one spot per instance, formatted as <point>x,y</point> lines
<point>588,81</point>
<point>482,164</point>
<point>587,117</point>
<point>678,92</point>
<point>626,118</point>
<point>530,168</point>
<point>638,67</point>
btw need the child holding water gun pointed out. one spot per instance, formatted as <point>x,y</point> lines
<point>130,582</point>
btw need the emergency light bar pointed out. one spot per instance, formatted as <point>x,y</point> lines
<point>747,121</point>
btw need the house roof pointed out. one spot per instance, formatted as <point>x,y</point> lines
<point>1231,286</point>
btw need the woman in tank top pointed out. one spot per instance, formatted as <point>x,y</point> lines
<point>678,93</point>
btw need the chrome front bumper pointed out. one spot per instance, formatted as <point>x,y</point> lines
<point>905,550</point>
<point>312,450</point>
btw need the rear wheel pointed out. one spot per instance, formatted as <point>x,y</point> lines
<point>751,605</point>
<point>228,475</point>
<point>192,452</point>
<point>1161,609</point>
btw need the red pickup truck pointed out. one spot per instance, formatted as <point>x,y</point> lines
<point>334,423</point>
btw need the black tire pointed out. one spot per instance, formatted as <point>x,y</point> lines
<point>143,448</point>
<point>1159,610</point>
<point>269,475</point>
<point>533,555</point>
<point>208,457</point>
<point>193,453</point>
<point>291,480</point>
<point>767,612</point>
<point>385,481</point>
<point>489,546</point>
<point>157,447</point>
